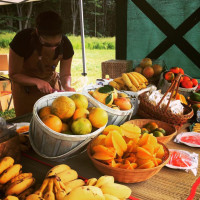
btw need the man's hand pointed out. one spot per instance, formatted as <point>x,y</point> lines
<point>70,89</point>
<point>44,87</point>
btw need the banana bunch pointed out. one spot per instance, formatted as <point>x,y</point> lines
<point>13,182</point>
<point>132,81</point>
<point>62,183</point>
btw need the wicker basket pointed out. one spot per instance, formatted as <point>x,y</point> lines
<point>115,68</point>
<point>170,129</point>
<point>164,85</point>
<point>146,110</point>
<point>51,144</point>
<point>127,175</point>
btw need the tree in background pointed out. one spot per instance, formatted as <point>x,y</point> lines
<point>99,16</point>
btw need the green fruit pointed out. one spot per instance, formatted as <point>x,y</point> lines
<point>161,130</point>
<point>81,126</point>
<point>144,130</point>
<point>158,134</point>
<point>195,96</point>
<point>196,107</point>
<point>68,132</point>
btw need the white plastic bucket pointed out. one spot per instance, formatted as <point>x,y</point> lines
<point>51,144</point>
<point>116,117</point>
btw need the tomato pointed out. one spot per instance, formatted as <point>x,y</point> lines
<point>195,82</point>
<point>169,76</point>
<point>187,84</point>
<point>181,71</point>
<point>175,70</point>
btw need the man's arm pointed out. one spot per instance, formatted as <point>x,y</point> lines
<point>65,74</point>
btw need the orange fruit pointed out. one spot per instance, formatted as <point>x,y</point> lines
<point>80,101</point>
<point>148,72</point>
<point>65,127</point>
<point>53,122</point>
<point>80,112</point>
<point>98,117</point>
<point>145,62</point>
<point>81,126</point>
<point>101,97</point>
<point>44,111</point>
<point>63,107</point>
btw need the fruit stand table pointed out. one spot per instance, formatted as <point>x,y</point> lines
<point>168,184</point>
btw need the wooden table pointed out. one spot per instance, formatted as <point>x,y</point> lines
<point>168,184</point>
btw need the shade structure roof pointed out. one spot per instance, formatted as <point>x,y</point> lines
<point>5,2</point>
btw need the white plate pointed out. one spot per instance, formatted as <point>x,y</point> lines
<point>19,125</point>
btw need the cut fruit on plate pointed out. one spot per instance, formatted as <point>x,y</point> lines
<point>22,128</point>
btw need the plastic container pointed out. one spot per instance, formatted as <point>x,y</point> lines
<point>116,117</point>
<point>51,144</point>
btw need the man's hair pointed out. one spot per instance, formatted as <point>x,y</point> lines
<point>49,23</point>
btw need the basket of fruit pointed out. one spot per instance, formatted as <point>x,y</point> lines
<point>63,123</point>
<point>149,68</point>
<point>125,154</point>
<point>187,84</point>
<point>120,106</point>
<point>163,131</point>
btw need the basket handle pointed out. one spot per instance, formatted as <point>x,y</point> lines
<point>173,87</point>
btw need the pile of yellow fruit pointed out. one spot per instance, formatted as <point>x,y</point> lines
<point>62,183</point>
<point>125,147</point>
<point>132,81</point>
<point>13,183</point>
<point>110,97</point>
<point>71,115</point>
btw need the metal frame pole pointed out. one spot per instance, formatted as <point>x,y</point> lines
<point>82,37</point>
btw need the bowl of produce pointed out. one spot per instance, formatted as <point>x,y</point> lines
<point>163,131</point>
<point>63,123</point>
<point>125,154</point>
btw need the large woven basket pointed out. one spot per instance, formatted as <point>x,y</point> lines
<point>115,68</point>
<point>51,144</point>
<point>128,175</point>
<point>157,113</point>
<point>170,129</point>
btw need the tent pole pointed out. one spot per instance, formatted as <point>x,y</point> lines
<point>82,37</point>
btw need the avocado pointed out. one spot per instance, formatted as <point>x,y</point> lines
<point>158,134</point>
<point>161,130</point>
<point>195,96</point>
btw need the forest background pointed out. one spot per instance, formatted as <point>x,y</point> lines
<point>99,26</point>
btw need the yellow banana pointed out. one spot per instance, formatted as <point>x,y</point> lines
<point>40,191</point>
<point>104,180</point>
<point>60,192</point>
<point>11,198</point>
<point>68,175</point>
<point>119,80</point>
<point>139,79</point>
<point>85,193</point>
<point>74,184</point>
<point>57,169</point>
<point>19,186</point>
<point>133,80</point>
<point>141,76</point>
<point>91,181</point>
<point>115,85</point>
<point>110,197</point>
<point>25,193</point>
<point>34,197</point>
<point>117,190</point>
<point>21,176</point>
<point>49,195</point>
<point>10,173</point>
<point>128,82</point>
<point>6,163</point>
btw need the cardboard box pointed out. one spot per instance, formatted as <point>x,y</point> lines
<point>5,85</point>
<point>5,102</point>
